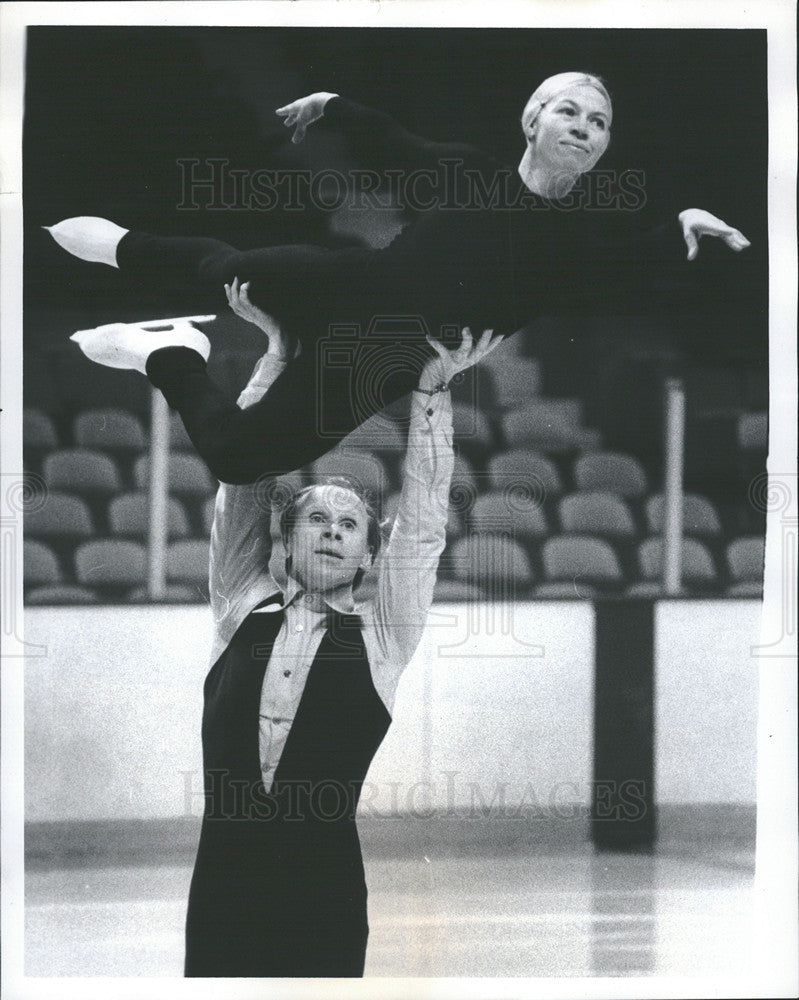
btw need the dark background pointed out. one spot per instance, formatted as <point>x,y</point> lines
<point>110,111</point>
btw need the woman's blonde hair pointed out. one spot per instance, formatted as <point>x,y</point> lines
<point>554,85</point>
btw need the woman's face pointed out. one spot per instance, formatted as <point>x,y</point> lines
<point>329,540</point>
<point>572,131</point>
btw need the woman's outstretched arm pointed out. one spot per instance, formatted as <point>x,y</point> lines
<point>376,140</point>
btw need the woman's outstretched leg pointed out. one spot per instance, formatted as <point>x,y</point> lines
<point>307,289</point>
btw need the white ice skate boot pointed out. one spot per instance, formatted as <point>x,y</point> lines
<point>89,237</point>
<point>129,345</point>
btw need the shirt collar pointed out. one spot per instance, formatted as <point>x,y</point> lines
<point>340,600</point>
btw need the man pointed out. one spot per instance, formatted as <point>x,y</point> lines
<point>302,682</point>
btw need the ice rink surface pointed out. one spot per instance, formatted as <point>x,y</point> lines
<point>573,913</point>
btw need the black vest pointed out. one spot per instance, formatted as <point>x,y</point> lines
<point>278,887</point>
<point>338,726</point>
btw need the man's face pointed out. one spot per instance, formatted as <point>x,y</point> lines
<point>573,130</point>
<point>328,543</point>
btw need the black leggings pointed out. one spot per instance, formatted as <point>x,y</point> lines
<point>311,291</point>
<point>347,371</point>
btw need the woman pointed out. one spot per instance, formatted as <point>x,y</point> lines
<point>514,248</point>
<point>302,683</point>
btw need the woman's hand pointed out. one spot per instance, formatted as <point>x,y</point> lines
<point>450,361</point>
<point>238,299</point>
<point>697,223</point>
<point>303,112</point>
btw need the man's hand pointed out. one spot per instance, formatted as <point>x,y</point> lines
<point>451,361</point>
<point>280,344</point>
<point>303,112</point>
<point>697,223</point>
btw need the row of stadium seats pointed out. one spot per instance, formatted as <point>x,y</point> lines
<point>496,564</point>
<point>94,474</point>
<point>68,517</point>
<point>552,425</point>
<point>553,422</point>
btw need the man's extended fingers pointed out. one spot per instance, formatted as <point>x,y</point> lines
<point>466,340</point>
<point>494,343</point>
<point>436,345</point>
<point>485,339</point>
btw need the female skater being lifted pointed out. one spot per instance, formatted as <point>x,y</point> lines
<point>517,251</point>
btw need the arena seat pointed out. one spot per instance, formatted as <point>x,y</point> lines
<point>527,469</point>
<point>457,591</point>
<point>653,589</point>
<point>38,431</point>
<point>699,516</point>
<point>565,590</point>
<point>110,563</point>
<point>61,594</point>
<point>174,593</point>
<point>596,514</point>
<point>745,559</point>
<point>697,563</point>
<point>746,588</point>
<point>187,562</point>
<point>581,559</point>
<point>61,516</point>
<point>89,474</point>
<point>495,562</point>
<point>753,431</point>
<point>129,515</point>
<point>109,430</point>
<point>506,512</point>
<point>538,427</point>
<point>188,475</point>
<point>549,425</point>
<point>39,565</point>
<point>515,379</point>
<point>610,472</point>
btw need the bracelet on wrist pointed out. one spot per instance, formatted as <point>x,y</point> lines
<point>440,387</point>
